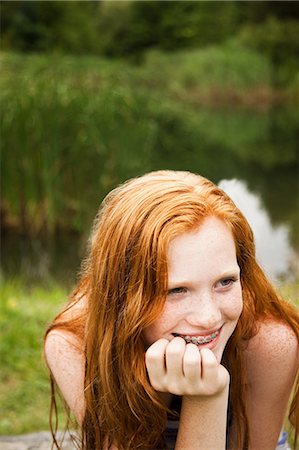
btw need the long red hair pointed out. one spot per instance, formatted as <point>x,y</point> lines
<point>124,281</point>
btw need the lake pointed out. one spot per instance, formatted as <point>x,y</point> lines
<point>251,155</point>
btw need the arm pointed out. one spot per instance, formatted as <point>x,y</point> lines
<point>181,369</point>
<point>272,364</point>
<point>66,361</point>
<point>203,422</point>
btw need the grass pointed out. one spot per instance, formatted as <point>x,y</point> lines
<point>290,291</point>
<point>24,387</point>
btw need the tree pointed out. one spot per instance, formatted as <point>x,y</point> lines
<point>48,26</point>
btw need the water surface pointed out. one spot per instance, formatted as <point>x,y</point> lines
<point>252,155</point>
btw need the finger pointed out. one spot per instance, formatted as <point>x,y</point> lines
<point>192,363</point>
<point>209,366</point>
<point>155,362</point>
<point>174,358</point>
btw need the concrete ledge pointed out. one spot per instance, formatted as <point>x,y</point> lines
<point>34,441</point>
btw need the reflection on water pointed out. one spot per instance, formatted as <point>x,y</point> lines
<point>42,259</point>
<point>59,257</point>
<point>260,148</point>
<point>273,249</point>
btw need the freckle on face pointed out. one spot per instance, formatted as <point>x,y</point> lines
<point>196,260</point>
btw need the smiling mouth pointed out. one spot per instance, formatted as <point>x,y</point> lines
<point>198,340</point>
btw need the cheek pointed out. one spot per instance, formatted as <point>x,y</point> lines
<point>162,326</point>
<point>234,305</point>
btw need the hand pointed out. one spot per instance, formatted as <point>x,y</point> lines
<point>183,369</point>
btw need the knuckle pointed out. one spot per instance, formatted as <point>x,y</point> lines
<point>157,385</point>
<point>191,390</point>
<point>175,389</point>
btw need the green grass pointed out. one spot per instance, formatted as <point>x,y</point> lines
<point>24,387</point>
<point>290,291</point>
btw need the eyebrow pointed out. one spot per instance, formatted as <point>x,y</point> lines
<point>230,273</point>
<point>233,272</point>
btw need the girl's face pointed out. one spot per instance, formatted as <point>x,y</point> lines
<point>204,299</point>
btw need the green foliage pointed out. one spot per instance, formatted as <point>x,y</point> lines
<point>129,28</point>
<point>258,12</point>
<point>50,26</point>
<point>73,128</point>
<point>115,28</point>
<point>132,27</point>
<point>223,66</point>
<point>24,383</point>
<point>278,40</point>
<point>52,118</point>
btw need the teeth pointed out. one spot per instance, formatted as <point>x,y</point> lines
<point>200,339</point>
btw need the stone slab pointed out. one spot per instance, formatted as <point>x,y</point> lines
<point>34,441</point>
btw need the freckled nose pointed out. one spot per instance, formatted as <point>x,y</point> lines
<point>204,312</point>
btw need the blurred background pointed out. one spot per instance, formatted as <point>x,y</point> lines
<point>95,92</point>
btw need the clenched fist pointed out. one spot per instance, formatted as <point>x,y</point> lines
<point>182,369</point>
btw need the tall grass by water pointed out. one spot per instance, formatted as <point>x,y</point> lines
<point>74,127</point>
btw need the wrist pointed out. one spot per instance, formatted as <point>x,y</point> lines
<point>220,397</point>
<point>209,396</point>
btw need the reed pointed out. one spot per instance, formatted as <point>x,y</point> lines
<point>73,127</point>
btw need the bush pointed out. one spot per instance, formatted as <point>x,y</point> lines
<point>73,128</point>
<point>228,66</point>
<point>278,40</point>
<point>37,26</point>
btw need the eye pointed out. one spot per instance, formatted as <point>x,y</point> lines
<point>177,291</point>
<point>227,282</point>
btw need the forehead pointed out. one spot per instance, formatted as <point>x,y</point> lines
<point>209,248</point>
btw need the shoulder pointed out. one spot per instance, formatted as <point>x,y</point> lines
<point>60,343</point>
<point>273,340</point>
<point>65,356</point>
<point>60,338</point>
<point>66,362</point>
<point>271,362</point>
<point>272,355</point>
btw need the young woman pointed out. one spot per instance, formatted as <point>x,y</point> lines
<point>174,338</point>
